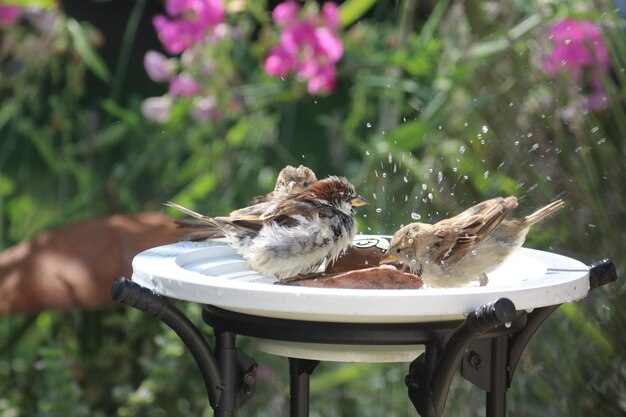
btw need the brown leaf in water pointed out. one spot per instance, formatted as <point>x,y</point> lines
<point>381,277</point>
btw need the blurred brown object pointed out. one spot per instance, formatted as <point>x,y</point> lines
<point>73,267</point>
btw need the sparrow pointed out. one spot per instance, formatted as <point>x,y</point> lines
<point>290,180</point>
<point>291,234</point>
<point>462,249</point>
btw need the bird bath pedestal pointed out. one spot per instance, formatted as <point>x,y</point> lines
<point>482,330</point>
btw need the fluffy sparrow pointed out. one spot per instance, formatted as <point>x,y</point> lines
<point>292,234</point>
<point>464,248</point>
<point>290,180</point>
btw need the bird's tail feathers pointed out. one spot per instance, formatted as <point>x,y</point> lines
<point>544,212</point>
<point>208,221</point>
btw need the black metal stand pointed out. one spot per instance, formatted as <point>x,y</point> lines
<point>486,346</point>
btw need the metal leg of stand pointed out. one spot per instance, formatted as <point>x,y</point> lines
<point>300,371</point>
<point>496,395</point>
<point>229,374</point>
<point>431,392</point>
<point>134,295</point>
<point>226,352</point>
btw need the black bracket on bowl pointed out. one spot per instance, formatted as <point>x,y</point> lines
<point>487,352</point>
<point>229,373</point>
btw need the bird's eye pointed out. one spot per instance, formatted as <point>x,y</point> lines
<point>398,250</point>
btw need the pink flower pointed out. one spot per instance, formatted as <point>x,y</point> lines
<point>279,62</point>
<point>157,109</point>
<point>330,11</point>
<point>579,50</point>
<point>158,66</point>
<point>203,109</point>
<point>188,22</point>
<point>323,81</point>
<point>577,44</point>
<point>309,46</point>
<point>183,85</point>
<point>285,13</point>
<point>9,14</point>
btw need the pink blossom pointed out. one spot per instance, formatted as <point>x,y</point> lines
<point>285,13</point>
<point>158,66</point>
<point>157,109</point>
<point>279,62</point>
<point>9,14</point>
<point>203,109</point>
<point>330,11</point>
<point>577,44</point>
<point>188,22</point>
<point>323,81</point>
<point>579,50</point>
<point>183,85</point>
<point>309,46</point>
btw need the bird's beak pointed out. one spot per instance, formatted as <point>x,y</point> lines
<point>358,201</point>
<point>389,258</point>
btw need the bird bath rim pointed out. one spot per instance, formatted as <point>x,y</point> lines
<point>212,273</point>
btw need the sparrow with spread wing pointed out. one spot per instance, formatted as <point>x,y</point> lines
<point>464,248</point>
<point>291,234</point>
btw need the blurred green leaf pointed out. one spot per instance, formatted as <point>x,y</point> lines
<point>80,40</point>
<point>352,10</point>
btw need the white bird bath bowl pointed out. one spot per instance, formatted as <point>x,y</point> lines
<point>211,273</point>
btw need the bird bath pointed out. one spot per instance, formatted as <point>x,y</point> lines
<point>436,329</point>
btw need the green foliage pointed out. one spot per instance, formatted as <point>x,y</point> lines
<point>438,105</point>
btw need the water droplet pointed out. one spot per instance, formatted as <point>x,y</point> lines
<point>486,174</point>
<point>374,196</point>
<point>593,226</point>
<point>368,124</point>
<point>384,175</point>
<point>415,216</point>
<point>424,187</point>
<point>406,180</point>
<point>548,178</point>
<point>367,153</point>
<point>379,210</point>
<point>567,41</point>
<point>430,196</point>
<point>534,147</point>
<point>511,104</point>
<point>485,129</point>
<point>507,324</point>
<point>462,149</point>
<point>595,129</point>
<point>601,141</point>
<point>439,177</point>
<point>390,157</point>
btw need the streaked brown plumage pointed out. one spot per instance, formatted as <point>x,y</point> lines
<point>290,180</point>
<point>293,234</point>
<point>464,248</point>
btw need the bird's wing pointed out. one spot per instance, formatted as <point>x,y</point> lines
<point>460,234</point>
